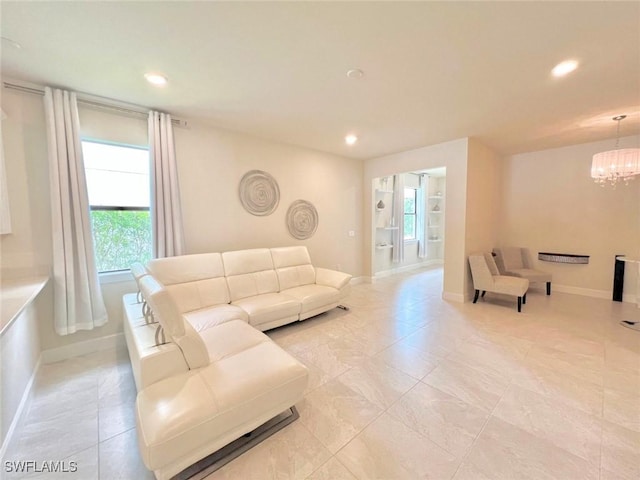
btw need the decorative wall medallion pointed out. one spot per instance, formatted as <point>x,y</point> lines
<point>302,219</point>
<point>259,193</point>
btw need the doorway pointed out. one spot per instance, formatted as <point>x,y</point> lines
<point>409,211</point>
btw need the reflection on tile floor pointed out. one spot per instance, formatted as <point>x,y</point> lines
<point>404,385</point>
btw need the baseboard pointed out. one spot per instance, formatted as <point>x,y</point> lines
<point>359,280</point>
<point>406,268</point>
<point>454,297</point>
<point>589,292</point>
<point>24,401</point>
<point>83,348</point>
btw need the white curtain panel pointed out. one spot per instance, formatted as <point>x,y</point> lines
<point>398,218</point>
<point>166,215</point>
<point>5,213</point>
<point>421,216</point>
<point>78,303</point>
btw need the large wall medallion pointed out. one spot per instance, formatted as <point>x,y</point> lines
<point>259,193</point>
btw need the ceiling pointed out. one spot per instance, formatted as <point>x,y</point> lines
<point>433,71</point>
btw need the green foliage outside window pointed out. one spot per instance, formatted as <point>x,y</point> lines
<point>121,238</point>
<point>409,227</point>
<point>409,213</point>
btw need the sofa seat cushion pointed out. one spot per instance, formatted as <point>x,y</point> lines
<point>175,407</point>
<point>510,285</point>
<point>265,371</point>
<point>313,297</point>
<point>188,412</point>
<point>268,307</point>
<point>206,318</point>
<point>530,274</point>
<point>230,338</point>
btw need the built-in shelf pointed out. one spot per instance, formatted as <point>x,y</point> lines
<point>379,209</point>
<point>436,197</point>
<point>383,191</point>
<point>435,241</point>
<point>387,228</point>
<point>383,247</point>
<point>435,211</point>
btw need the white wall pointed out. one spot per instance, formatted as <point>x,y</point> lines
<point>550,203</point>
<point>484,170</point>
<point>211,164</point>
<point>26,250</point>
<point>28,247</point>
<point>19,354</point>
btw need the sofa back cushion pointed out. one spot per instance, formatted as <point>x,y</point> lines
<point>480,272</point>
<point>193,348</point>
<point>163,307</point>
<point>193,281</point>
<point>491,263</point>
<point>249,273</point>
<point>138,271</point>
<point>176,330</point>
<point>293,266</point>
<point>512,258</point>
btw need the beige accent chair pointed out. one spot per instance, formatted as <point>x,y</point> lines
<point>516,262</point>
<point>486,278</point>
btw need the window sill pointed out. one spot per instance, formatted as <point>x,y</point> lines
<point>115,277</point>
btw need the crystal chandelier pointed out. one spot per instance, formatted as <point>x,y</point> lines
<point>620,164</point>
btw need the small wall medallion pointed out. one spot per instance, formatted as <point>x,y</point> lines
<point>302,219</point>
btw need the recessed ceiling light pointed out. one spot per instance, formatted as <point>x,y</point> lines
<point>564,68</point>
<point>350,139</point>
<point>156,79</point>
<point>355,73</point>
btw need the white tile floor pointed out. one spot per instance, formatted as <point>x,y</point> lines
<point>404,385</point>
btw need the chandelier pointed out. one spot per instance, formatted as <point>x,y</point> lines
<point>620,164</point>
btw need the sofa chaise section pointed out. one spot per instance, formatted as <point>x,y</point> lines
<point>237,379</point>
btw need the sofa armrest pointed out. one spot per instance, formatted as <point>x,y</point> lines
<point>332,278</point>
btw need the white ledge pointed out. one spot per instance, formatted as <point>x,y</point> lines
<point>16,294</point>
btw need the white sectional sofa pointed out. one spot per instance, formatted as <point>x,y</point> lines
<point>205,372</point>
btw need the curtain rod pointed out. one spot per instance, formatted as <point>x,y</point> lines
<point>133,110</point>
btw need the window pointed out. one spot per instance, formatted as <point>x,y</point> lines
<point>118,188</point>
<point>410,213</point>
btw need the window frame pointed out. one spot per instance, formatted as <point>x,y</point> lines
<point>115,276</point>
